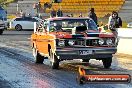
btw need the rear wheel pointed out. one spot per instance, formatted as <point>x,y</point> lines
<point>54,60</point>
<point>38,58</point>
<point>80,79</point>
<point>107,62</point>
<point>18,27</point>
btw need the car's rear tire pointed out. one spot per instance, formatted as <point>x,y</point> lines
<point>107,62</point>
<point>18,27</point>
<point>38,58</point>
<point>1,32</point>
<point>80,79</point>
<point>54,60</point>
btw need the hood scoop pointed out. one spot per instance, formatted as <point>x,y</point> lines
<point>79,29</point>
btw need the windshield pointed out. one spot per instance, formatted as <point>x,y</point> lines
<point>71,23</point>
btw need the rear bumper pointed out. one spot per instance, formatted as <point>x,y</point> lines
<point>84,53</point>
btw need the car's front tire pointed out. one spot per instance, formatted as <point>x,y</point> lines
<point>54,60</point>
<point>107,62</point>
<point>18,27</point>
<point>38,58</point>
<point>80,79</point>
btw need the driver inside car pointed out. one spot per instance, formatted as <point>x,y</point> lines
<point>56,27</point>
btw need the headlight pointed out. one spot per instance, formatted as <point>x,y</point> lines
<point>101,41</point>
<point>61,43</point>
<point>109,42</point>
<point>71,42</point>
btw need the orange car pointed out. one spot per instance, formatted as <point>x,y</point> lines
<point>68,38</point>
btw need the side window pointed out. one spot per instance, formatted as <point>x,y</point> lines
<point>34,20</point>
<point>18,19</point>
<point>27,19</point>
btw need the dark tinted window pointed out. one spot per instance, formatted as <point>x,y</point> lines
<point>18,19</point>
<point>27,19</point>
<point>34,20</point>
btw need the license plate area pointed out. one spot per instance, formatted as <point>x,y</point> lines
<point>85,52</point>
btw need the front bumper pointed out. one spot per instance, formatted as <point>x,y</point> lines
<point>85,53</point>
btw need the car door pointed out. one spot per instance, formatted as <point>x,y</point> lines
<point>15,22</point>
<point>24,22</point>
<point>28,23</point>
<point>42,42</point>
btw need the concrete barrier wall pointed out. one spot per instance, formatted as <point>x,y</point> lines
<point>125,32</point>
<point>125,42</point>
